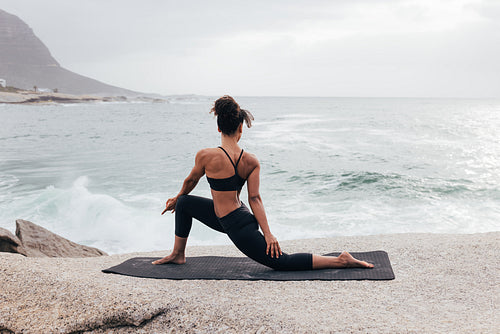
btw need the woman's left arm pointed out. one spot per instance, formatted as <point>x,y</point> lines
<point>190,182</point>
<point>255,201</point>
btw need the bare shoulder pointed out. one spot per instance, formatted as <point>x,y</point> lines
<point>205,151</point>
<point>204,154</point>
<point>251,160</point>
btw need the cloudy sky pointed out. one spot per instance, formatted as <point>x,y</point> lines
<point>381,48</point>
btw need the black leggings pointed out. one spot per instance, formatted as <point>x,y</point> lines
<point>241,227</point>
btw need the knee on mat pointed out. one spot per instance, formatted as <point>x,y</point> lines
<point>295,262</point>
<point>281,263</point>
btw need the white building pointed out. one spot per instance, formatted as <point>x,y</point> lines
<point>3,83</point>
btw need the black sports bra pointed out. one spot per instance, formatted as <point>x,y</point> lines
<point>231,183</point>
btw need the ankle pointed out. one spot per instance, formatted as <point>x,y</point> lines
<point>178,252</point>
<point>339,261</point>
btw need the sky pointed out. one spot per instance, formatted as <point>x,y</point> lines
<point>365,48</point>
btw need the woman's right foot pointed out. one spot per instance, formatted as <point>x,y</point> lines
<point>350,262</point>
<point>172,258</point>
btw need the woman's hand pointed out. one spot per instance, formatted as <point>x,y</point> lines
<point>273,246</point>
<point>170,205</point>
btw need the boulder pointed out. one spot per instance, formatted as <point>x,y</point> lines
<point>10,243</point>
<point>40,242</point>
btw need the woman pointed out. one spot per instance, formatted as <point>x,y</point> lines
<point>227,168</point>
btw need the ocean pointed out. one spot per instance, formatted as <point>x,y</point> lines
<point>99,174</point>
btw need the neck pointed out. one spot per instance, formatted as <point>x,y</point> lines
<point>229,141</point>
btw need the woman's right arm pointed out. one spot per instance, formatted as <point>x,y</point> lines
<point>190,182</point>
<point>255,201</point>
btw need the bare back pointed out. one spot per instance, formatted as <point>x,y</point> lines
<point>218,166</point>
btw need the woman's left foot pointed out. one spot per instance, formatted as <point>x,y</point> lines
<point>172,258</point>
<point>350,262</point>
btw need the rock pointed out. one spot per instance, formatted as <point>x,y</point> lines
<point>10,243</point>
<point>40,242</point>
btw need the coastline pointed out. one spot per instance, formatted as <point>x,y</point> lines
<point>31,97</point>
<point>444,283</point>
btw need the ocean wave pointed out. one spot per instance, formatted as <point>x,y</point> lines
<point>329,167</point>
<point>390,184</point>
<point>98,219</point>
<point>7,183</point>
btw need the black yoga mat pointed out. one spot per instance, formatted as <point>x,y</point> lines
<point>243,268</point>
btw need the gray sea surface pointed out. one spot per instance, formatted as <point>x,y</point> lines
<point>99,174</point>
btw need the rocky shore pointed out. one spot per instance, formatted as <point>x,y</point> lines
<point>31,97</point>
<point>444,284</point>
<point>35,241</point>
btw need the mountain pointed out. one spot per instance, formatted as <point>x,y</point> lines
<point>26,62</point>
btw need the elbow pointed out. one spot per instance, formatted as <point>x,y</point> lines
<point>254,198</point>
<point>190,181</point>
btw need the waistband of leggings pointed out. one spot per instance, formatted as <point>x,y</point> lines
<point>238,217</point>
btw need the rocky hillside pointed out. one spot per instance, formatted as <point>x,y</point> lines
<point>26,62</point>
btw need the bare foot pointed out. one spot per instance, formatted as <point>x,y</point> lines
<point>172,258</point>
<point>351,262</point>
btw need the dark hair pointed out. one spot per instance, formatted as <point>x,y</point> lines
<point>230,115</point>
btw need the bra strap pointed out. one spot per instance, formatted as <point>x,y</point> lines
<point>237,162</point>
<point>232,163</point>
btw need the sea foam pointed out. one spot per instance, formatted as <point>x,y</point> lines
<point>100,220</point>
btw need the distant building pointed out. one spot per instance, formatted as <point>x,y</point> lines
<point>45,90</point>
<point>3,83</point>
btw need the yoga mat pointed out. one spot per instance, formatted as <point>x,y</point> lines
<point>243,268</point>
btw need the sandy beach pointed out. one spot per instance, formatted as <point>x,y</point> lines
<point>444,284</point>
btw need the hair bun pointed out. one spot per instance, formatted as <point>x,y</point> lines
<point>229,115</point>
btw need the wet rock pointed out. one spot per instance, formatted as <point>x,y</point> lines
<point>10,243</point>
<point>40,242</point>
